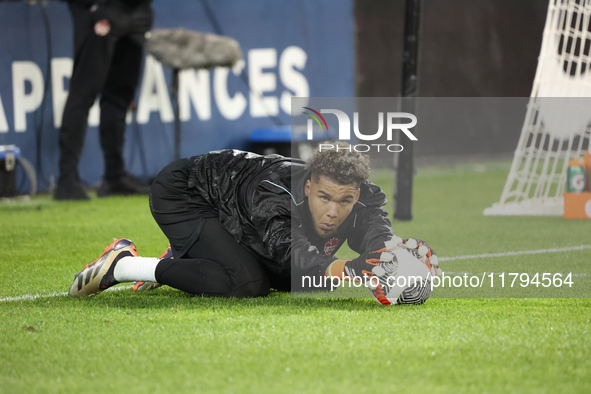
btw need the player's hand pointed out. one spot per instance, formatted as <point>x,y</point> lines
<point>359,269</point>
<point>420,249</point>
<point>377,270</point>
<point>367,264</point>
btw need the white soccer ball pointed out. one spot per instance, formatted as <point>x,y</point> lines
<point>407,280</point>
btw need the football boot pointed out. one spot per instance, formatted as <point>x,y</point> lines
<point>98,276</point>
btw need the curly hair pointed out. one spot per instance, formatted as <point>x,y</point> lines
<point>339,162</point>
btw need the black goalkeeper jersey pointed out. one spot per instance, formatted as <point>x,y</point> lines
<point>260,201</point>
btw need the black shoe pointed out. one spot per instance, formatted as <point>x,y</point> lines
<point>124,186</point>
<point>70,189</point>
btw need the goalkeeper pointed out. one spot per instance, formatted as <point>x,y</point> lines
<point>240,224</point>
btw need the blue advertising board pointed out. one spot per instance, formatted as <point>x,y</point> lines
<point>291,48</point>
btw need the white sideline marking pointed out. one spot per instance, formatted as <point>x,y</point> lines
<point>504,254</point>
<point>35,296</point>
<point>454,258</point>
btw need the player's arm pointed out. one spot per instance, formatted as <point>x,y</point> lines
<point>276,219</point>
<point>371,226</point>
<point>372,235</point>
<point>370,231</point>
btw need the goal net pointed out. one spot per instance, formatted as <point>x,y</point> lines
<point>558,118</point>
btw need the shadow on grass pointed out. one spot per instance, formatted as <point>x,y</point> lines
<point>166,298</point>
<point>281,303</point>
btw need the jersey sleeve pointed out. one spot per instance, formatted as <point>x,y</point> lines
<point>372,227</point>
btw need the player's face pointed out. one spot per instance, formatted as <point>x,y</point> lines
<point>330,203</point>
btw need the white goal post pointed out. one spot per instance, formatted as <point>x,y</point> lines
<point>558,118</point>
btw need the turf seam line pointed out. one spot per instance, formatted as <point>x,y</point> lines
<point>31,297</point>
<point>504,254</point>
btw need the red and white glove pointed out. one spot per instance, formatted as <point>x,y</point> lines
<point>419,249</point>
<point>361,268</point>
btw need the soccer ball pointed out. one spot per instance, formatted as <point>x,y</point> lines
<point>404,278</point>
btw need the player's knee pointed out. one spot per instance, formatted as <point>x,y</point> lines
<point>259,288</point>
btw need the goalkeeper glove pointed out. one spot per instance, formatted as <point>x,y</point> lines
<point>371,268</point>
<point>420,249</point>
<point>376,262</point>
<point>361,268</point>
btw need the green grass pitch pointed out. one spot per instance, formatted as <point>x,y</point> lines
<point>167,341</point>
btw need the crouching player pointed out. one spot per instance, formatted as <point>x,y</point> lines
<point>240,224</point>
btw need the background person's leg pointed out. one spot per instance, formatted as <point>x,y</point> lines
<point>115,99</point>
<point>216,265</point>
<point>92,56</point>
<point>117,94</point>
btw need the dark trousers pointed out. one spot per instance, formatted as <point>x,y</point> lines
<point>215,265</point>
<point>108,65</point>
<point>207,258</point>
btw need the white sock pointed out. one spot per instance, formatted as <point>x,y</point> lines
<point>131,269</point>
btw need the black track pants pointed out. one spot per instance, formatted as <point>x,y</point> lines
<point>108,65</point>
<point>215,265</point>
